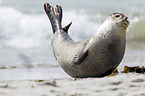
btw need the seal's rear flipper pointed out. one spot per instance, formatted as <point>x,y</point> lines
<point>67,27</point>
<point>55,16</point>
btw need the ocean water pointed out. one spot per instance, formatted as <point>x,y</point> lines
<point>25,31</point>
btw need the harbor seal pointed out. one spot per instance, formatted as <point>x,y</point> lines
<point>97,56</point>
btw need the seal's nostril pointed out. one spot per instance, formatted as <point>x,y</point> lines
<point>126,18</point>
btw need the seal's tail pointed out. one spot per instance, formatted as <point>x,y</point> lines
<point>55,17</point>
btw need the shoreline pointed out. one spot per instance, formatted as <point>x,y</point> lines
<point>33,74</point>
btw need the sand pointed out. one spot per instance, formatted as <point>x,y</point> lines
<point>119,85</point>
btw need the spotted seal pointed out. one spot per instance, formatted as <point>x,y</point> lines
<point>97,56</point>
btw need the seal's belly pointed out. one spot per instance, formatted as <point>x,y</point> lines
<point>95,64</point>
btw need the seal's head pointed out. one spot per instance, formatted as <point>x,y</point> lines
<point>116,23</point>
<point>119,19</point>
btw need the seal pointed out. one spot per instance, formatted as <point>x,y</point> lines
<point>98,56</point>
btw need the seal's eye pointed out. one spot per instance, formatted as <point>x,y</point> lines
<point>117,16</point>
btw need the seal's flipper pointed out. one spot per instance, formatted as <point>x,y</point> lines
<point>55,16</point>
<point>82,54</point>
<point>50,13</point>
<point>67,27</point>
<point>58,14</point>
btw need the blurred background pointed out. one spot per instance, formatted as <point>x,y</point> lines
<point>25,30</point>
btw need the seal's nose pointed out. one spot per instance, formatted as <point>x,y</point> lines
<point>125,21</point>
<point>126,18</point>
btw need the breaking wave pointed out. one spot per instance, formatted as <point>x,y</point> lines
<point>22,30</point>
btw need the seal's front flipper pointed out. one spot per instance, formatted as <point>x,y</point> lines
<point>81,55</point>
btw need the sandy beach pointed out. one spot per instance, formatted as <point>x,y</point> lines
<point>119,85</point>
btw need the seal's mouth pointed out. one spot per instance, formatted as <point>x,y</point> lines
<point>125,22</point>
